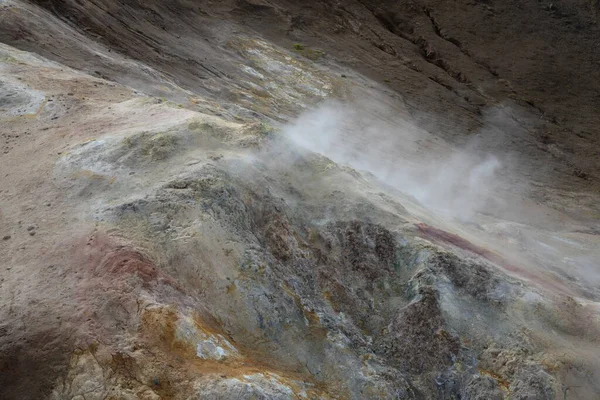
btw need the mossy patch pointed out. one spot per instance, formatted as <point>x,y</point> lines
<point>158,147</point>
<point>202,126</point>
<point>6,59</point>
<point>150,146</point>
<point>311,54</point>
<point>266,129</point>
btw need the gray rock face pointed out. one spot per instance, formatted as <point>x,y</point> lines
<point>483,387</point>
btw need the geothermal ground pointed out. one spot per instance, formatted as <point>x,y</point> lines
<point>259,199</point>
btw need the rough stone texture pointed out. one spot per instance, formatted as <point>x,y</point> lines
<point>415,339</point>
<point>483,387</point>
<point>164,238</point>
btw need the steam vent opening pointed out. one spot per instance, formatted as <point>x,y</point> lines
<point>276,199</point>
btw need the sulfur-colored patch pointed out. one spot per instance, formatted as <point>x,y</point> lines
<point>187,338</point>
<point>502,383</point>
<point>91,175</point>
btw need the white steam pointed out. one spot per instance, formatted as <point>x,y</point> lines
<point>402,156</point>
<point>490,192</point>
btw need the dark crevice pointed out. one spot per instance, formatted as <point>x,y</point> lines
<point>382,45</point>
<point>444,85</point>
<point>438,31</point>
<point>431,56</point>
<point>389,21</point>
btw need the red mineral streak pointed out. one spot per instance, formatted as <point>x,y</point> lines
<point>103,257</point>
<point>536,277</point>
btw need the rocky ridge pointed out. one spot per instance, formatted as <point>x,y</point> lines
<point>183,246</point>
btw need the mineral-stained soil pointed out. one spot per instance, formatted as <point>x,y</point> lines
<point>178,222</point>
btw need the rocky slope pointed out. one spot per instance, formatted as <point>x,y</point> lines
<point>273,199</point>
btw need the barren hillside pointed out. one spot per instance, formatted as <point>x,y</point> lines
<point>286,200</point>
